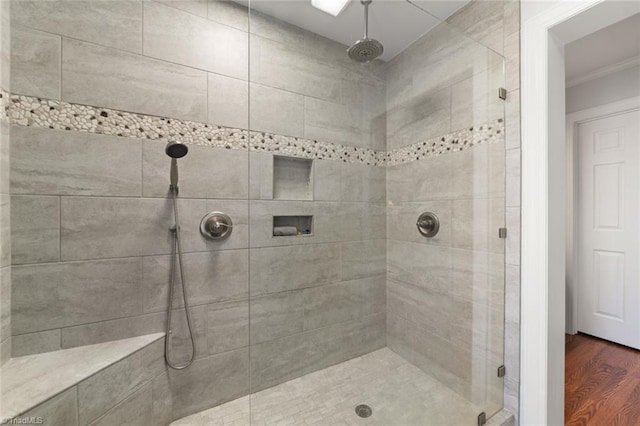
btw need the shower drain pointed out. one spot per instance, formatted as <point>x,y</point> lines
<point>363,410</point>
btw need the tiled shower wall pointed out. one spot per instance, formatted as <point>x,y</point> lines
<point>5,199</point>
<point>315,301</point>
<point>318,300</point>
<point>91,215</point>
<point>450,288</point>
<point>445,294</point>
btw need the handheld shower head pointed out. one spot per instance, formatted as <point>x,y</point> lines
<point>176,149</point>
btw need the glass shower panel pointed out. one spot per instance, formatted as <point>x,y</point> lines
<point>317,210</point>
<point>479,204</point>
<point>445,294</point>
<point>349,304</point>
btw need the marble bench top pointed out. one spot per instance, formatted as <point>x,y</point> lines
<point>31,380</point>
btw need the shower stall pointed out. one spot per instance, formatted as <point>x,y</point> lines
<point>358,274</point>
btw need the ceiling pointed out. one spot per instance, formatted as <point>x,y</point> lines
<point>395,23</point>
<point>609,46</point>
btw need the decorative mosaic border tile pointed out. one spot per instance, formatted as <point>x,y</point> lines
<point>4,106</point>
<point>313,149</point>
<point>38,112</point>
<point>57,115</point>
<point>459,140</point>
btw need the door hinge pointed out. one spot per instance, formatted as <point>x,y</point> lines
<point>502,371</point>
<point>482,418</point>
<point>502,93</point>
<point>502,232</point>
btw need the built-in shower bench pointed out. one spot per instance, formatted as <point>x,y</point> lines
<point>79,385</point>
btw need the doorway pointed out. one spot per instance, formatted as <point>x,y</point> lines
<point>547,30</point>
<point>606,288</point>
<point>602,71</point>
<point>603,180</point>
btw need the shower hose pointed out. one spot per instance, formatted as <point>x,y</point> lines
<point>176,251</point>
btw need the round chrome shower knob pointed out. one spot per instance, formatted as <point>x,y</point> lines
<point>216,226</point>
<point>428,224</point>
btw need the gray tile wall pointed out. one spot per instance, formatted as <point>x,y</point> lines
<point>36,67</point>
<point>91,214</point>
<point>312,295</point>
<point>62,409</point>
<point>116,24</point>
<point>438,85</point>
<point>5,250</point>
<point>5,198</point>
<point>451,288</point>
<point>90,221</point>
<point>91,211</point>
<point>190,60</point>
<point>210,381</point>
<point>322,94</point>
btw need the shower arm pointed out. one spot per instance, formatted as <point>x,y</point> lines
<point>366,4</point>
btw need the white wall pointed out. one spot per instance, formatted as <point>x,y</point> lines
<point>604,90</point>
<point>541,375</point>
<point>530,9</point>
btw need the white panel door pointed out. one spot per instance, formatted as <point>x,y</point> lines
<point>609,233</point>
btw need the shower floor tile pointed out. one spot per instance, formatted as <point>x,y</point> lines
<point>398,392</point>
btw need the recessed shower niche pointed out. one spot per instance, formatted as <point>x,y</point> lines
<point>289,226</point>
<point>292,178</point>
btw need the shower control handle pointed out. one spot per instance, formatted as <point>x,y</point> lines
<point>428,224</point>
<point>216,226</point>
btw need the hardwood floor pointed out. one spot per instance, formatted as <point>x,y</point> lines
<point>602,383</point>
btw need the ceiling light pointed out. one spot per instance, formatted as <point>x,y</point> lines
<point>332,7</point>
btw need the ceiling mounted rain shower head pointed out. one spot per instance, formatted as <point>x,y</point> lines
<point>365,49</point>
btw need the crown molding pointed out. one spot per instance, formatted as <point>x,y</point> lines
<point>601,72</point>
